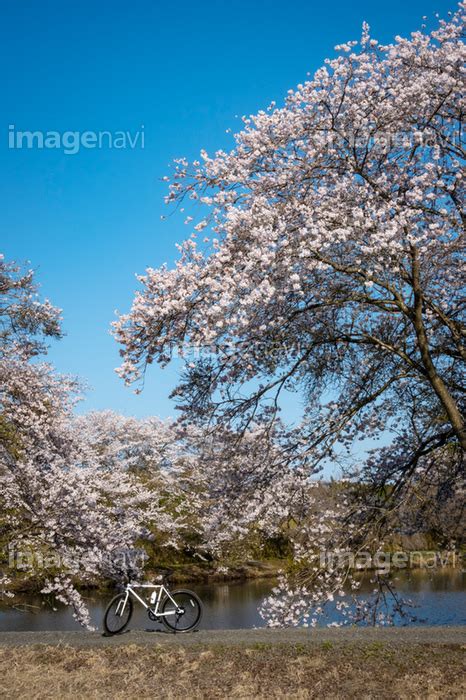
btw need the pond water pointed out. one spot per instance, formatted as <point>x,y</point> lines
<point>439,596</point>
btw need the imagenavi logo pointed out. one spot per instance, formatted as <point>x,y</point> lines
<point>71,142</point>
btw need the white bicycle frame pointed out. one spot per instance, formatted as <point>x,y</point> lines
<point>160,595</point>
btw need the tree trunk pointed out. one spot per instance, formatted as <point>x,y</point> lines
<point>437,383</point>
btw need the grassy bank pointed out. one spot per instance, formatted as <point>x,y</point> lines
<point>256,670</point>
<point>190,573</point>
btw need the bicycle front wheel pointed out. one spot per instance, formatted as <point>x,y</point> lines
<point>182,611</point>
<point>118,614</point>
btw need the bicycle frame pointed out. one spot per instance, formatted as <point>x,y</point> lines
<point>162,592</point>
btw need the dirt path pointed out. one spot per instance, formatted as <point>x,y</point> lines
<point>402,636</point>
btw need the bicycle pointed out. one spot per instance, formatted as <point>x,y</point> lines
<point>180,610</point>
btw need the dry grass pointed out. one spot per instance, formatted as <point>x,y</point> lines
<point>252,671</point>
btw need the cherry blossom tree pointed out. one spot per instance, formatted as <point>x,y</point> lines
<point>65,517</point>
<point>330,265</point>
<point>25,321</point>
<point>72,508</point>
<point>158,455</point>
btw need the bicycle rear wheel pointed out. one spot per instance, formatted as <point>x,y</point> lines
<point>118,614</point>
<point>183,613</point>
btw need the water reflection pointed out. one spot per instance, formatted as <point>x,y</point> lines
<point>440,597</point>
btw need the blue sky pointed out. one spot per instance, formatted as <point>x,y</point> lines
<point>89,221</point>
